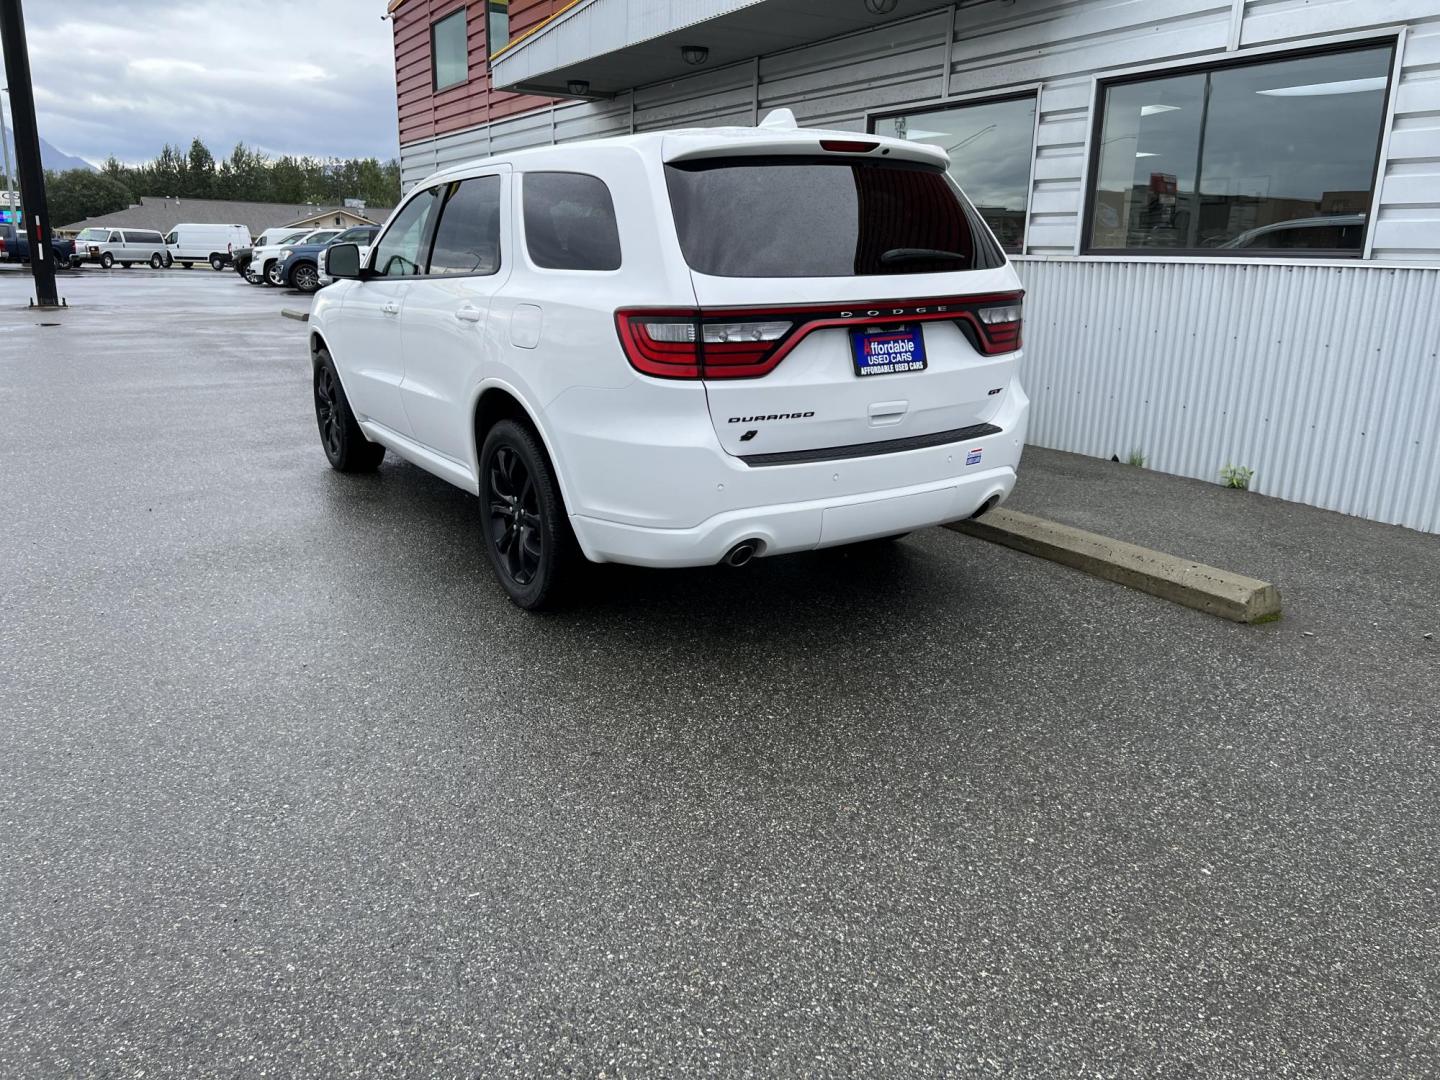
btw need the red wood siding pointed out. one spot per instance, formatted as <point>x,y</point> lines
<point>424,113</point>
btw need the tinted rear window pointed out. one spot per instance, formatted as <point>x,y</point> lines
<point>570,222</point>
<point>816,217</point>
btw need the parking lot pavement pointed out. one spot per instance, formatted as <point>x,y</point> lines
<point>288,788</point>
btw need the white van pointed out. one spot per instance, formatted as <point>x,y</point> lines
<point>192,243</point>
<point>125,246</point>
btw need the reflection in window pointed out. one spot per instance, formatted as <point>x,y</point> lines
<point>448,49</point>
<point>990,147</point>
<point>398,253</point>
<point>1278,155</point>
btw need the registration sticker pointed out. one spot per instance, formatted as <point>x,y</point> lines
<point>973,457</point>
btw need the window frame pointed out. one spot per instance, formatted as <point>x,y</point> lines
<point>965,101</point>
<point>435,86</point>
<point>1388,37</point>
<point>523,240</point>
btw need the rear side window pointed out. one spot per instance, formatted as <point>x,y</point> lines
<point>467,240</point>
<point>817,217</point>
<point>570,222</point>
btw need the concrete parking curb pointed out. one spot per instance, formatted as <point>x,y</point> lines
<point>1205,588</point>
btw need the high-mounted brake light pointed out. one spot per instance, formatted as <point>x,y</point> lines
<point>848,146</point>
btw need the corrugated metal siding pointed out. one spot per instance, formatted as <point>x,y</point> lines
<point>1325,380</point>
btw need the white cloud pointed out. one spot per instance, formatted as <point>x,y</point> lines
<point>124,77</point>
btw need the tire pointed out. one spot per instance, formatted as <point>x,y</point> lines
<point>217,263</point>
<point>272,274</point>
<point>305,276</point>
<point>127,265</point>
<point>345,444</point>
<point>107,260</point>
<point>526,530</point>
<point>187,265</point>
<point>156,262</point>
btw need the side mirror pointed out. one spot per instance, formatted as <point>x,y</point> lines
<point>343,261</point>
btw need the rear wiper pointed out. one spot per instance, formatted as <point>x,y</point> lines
<point>895,255</point>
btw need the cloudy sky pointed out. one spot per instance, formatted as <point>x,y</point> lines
<point>124,77</point>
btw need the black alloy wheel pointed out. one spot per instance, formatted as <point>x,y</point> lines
<point>305,277</point>
<point>527,532</point>
<point>345,444</point>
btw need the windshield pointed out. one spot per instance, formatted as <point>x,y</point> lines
<point>818,217</point>
<point>321,237</point>
<point>93,234</point>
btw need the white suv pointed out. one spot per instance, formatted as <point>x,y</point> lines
<point>682,348</point>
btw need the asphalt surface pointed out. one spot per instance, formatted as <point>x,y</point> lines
<point>287,788</point>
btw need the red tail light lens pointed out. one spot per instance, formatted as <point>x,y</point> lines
<point>848,146</point>
<point>999,326</point>
<point>685,345</point>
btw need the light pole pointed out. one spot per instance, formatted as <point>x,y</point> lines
<point>27,152</point>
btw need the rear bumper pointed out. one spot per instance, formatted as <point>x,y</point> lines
<point>906,490</point>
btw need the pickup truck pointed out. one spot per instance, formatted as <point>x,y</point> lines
<point>15,246</point>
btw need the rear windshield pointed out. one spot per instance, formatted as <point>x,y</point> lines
<point>816,217</point>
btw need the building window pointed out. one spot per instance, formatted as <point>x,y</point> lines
<point>448,50</point>
<point>1249,157</point>
<point>570,222</point>
<point>497,26</point>
<point>991,146</point>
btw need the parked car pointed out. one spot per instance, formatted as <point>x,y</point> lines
<point>15,246</point>
<point>192,243</point>
<point>300,263</point>
<point>125,246</point>
<point>264,266</point>
<point>682,348</point>
<point>1338,231</point>
<point>240,257</point>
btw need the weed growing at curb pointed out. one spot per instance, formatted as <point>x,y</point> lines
<point>1136,458</point>
<point>1237,476</point>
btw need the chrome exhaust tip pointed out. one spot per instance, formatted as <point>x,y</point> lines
<point>741,553</point>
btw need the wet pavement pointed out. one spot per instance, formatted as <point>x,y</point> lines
<point>287,788</point>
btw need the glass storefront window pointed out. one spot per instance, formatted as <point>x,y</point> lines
<point>991,146</point>
<point>1262,156</point>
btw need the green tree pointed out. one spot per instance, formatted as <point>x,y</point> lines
<point>200,171</point>
<point>78,194</point>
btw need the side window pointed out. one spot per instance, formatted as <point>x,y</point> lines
<point>170,238</point>
<point>401,251</point>
<point>497,26</point>
<point>467,240</point>
<point>570,222</point>
<point>448,51</point>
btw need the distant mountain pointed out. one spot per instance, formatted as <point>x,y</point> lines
<point>52,158</point>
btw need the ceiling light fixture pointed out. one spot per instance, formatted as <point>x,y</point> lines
<point>880,7</point>
<point>578,87</point>
<point>694,55</point>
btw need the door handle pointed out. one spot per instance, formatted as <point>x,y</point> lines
<point>391,308</point>
<point>469,314</point>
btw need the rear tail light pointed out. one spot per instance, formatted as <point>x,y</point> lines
<point>1000,327</point>
<point>848,146</point>
<point>686,343</point>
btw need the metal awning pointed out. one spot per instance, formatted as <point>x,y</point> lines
<point>611,46</point>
